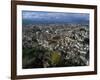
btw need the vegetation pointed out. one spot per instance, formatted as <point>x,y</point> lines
<point>55,46</point>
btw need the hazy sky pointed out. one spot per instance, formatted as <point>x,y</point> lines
<point>54,17</point>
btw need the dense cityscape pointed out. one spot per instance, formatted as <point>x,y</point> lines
<point>55,45</point>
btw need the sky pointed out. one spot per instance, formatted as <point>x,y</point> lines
<point>43,17</point>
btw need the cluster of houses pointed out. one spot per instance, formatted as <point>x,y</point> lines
<point>70,41</point>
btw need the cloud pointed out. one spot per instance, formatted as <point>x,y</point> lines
<point>40,15</point>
